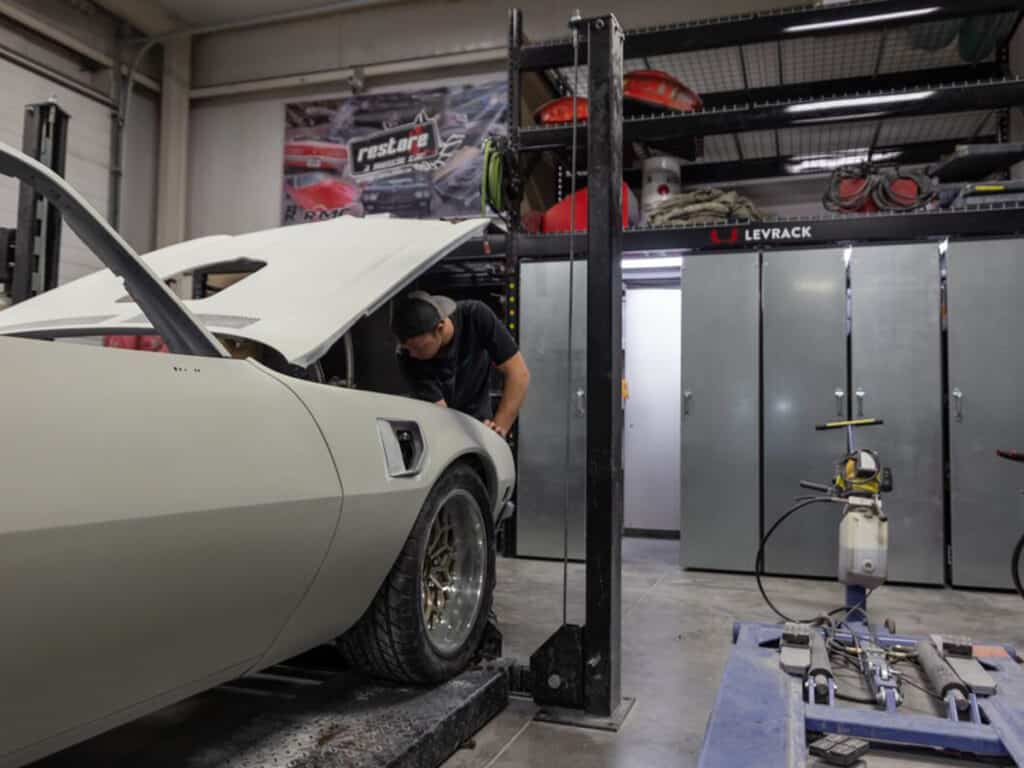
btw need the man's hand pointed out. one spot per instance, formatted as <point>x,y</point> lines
<point>517,381</point>
<point>491,424</point>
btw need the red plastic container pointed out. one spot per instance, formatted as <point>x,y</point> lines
<point>647,86</point>
<point>660,89</point>
<point>558,111</point>
<point>556,218</point>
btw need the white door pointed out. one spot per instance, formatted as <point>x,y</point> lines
<point>162,517</point>
<point>651,318</point>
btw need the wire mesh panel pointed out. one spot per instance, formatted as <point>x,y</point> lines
<point>903,130</point>
<point>945,43</point>
<point>819,58</point>
<point>761,61</point>
<point>720,69</point>
<point>817,139</point>
<point>720,149</point>
<point>876,57</point>
<point>757,144</point>
<point>832,57</point>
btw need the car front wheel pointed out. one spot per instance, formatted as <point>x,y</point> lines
<point>427,619</point>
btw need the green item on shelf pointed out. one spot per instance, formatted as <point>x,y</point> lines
<point>933,35</point>
<point>980,35</point>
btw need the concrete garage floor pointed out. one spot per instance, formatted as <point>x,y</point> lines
<point>676,632</point>
<point>676,629</point>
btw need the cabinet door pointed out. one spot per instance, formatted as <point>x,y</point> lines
<point>651,436</point>
<point>544,339</point>
<point>804,329</point>
<point>719,350</point>
<point>897,376</point>
<point>986,367</point>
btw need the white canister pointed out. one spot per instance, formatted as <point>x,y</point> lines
<point>661,179</point>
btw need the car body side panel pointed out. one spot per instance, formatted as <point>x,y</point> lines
<point>379,510</point>
<point>162,517</point>
<point>88,730</point>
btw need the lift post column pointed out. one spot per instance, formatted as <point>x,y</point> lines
<point>37,245</point>
<point>602,635</point>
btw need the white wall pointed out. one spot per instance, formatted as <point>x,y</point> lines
<point>235,166</point>
<point>138,206</point>
<point>34,69</point>
<point>413,30</point>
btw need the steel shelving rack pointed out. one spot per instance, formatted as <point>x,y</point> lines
<point>766,109</point>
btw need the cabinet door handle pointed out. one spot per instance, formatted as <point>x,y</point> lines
<point>860,402</point>
<point>839,395</point>
<point>958,404</point>
<point>687,397</point>
<point>581,402</point>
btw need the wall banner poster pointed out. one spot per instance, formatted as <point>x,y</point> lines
<point>413,154</point>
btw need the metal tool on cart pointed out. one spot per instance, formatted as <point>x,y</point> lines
<point>781,698</point>
<point>858,483</point>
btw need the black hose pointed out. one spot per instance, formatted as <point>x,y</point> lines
<point>888,200</point>
<point>759,560</point>
<point>855,699</point>
<point>836,202</point>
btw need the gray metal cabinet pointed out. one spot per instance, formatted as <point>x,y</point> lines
<point>985,281</point>
<point>544,340</point>
<point>804,337</point>
<point>650,450</point>
<point>720,478</point>
<point>896,365</point>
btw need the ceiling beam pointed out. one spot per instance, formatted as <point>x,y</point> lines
<point>147,16</point>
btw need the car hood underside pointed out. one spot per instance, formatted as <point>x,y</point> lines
<point>313,282</point>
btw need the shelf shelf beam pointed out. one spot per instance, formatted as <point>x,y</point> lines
<point>772,25</point>
<point>870,106</point>
<point>988,221</point>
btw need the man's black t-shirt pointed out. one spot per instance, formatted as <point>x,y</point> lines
<point>460,373</point>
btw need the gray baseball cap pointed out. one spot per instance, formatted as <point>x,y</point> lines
<point>419,312</point>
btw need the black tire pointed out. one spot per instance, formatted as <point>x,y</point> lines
<point>391,640</point>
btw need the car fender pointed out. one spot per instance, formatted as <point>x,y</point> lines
<point>379,510</point>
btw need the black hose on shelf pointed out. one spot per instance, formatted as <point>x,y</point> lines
<point>834,200</point>
<point>889,199</point>
<point>878,187</point>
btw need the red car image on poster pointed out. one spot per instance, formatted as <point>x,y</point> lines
<point>312,155</point>
<point>319,196</point>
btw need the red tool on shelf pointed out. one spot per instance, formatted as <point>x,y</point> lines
<point>643,90</point>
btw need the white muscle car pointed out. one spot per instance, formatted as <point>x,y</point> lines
<point>170,521</point>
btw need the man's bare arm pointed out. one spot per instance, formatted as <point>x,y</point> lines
<point>517,381</point>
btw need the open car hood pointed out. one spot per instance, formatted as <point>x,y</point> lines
<point>318,280</point>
